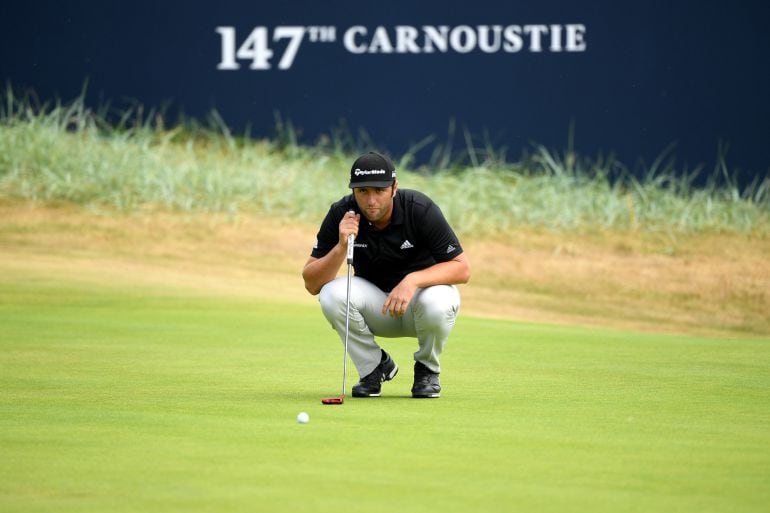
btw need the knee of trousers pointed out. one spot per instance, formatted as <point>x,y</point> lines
<point>333,297</point>
<point>437,305</point>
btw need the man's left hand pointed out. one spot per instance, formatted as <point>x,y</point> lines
<point>398,300</point>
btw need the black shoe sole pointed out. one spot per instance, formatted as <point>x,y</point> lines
<point>378,394</point>
<point>427,396</point>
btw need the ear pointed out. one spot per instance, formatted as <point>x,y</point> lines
<point>395,188</point>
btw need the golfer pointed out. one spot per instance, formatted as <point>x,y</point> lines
<point>407,262</point>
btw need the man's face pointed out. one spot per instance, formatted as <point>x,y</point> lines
<point>376,203</point>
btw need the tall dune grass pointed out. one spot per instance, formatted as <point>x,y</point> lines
<point>133,161</point>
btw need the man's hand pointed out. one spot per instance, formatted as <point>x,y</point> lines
<point>398,300</point>
<point>348,225</point>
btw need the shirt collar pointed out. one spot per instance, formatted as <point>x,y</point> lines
<point>397,217</point>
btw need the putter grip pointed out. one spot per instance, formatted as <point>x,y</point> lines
<point>351,246</point>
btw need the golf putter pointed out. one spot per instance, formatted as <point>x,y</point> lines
<point>341,398</point>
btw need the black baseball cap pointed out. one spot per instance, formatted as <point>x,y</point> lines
<point>372,170</point>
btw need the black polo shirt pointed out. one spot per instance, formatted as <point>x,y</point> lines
<point>417,237</point>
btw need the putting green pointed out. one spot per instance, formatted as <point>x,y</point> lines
<point>138,399</point>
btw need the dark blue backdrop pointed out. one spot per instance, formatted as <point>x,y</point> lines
<point>690,73</point>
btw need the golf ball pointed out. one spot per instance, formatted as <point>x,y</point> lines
<point>303,418</point>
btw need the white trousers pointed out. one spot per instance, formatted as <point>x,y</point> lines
<point>429,317</point>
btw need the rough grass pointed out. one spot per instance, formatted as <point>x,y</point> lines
<point>67,152</point>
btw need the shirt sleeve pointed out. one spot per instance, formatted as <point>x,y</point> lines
<point>442,241</point>
<point>328,234</point>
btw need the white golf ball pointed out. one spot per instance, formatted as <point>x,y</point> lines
<point>303,418</point>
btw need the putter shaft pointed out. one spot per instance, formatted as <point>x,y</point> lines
<point>351,245</point>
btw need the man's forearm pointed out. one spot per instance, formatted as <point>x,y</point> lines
<point>453,272</point>
<point>320,271</point>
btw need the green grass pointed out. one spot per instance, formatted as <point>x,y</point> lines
<point>144,399</point>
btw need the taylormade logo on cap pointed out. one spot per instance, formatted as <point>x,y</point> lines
<point>359,172</point>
